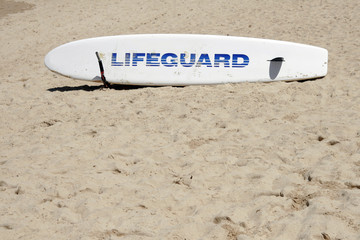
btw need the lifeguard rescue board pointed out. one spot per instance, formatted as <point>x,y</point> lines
<point>187,59</point>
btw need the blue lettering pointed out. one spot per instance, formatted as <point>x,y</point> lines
<point>173,60</point>
<point>152,59</point>
<point>204,60</point>
<point>113,60</point>
<point>222,58</point>
<point>186,60</point>
<point>189,64</point>
<point>235,61</point>
<point>127,59</point>
<point>137,57</point>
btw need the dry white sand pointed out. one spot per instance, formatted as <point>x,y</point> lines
<point>236,161</point>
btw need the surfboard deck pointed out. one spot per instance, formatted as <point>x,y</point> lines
<point>187,59</point>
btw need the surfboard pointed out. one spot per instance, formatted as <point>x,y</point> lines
<point>186,59</point>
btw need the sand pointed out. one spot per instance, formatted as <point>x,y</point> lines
<point>234,161</point>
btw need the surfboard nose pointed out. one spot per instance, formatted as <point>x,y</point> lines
<point>48,61</point>
<point>68,60</point>
<point>53,60</point>
<point>57,62</point>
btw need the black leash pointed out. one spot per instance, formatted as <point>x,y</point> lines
<point>103,79</point>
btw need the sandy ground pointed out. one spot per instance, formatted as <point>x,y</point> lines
<point>235,161</point>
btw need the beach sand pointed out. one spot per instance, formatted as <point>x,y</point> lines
<point>235,161</point>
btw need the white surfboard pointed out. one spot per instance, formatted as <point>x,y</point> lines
<point>186,59</point>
